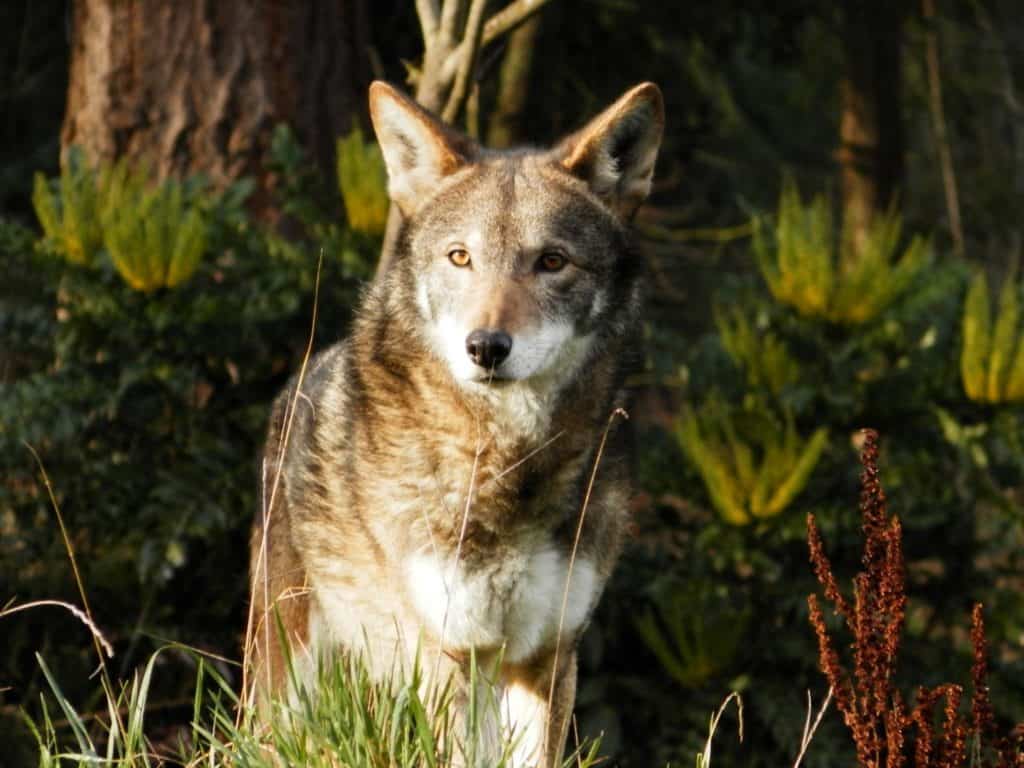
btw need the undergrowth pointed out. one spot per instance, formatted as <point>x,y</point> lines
<point>350,721</point>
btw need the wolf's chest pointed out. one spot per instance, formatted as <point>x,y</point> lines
<point>514,601</point>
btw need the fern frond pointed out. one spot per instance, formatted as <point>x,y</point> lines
<point>749,476</point>
<point>1004,340</point>
<point>976,339</point>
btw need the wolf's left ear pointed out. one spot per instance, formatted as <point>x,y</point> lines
<point>419,150</point>
<point>615,152</point>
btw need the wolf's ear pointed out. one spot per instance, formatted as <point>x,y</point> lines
<point>615,152</point>
<point>418,148</point>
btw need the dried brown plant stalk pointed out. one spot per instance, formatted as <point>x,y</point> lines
<point>885,732</point>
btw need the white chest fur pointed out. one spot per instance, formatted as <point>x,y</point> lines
<point>514,602</point>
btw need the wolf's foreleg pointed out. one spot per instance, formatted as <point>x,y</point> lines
<point>536,709</point>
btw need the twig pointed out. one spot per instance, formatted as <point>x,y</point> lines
<point>939,120</point>
<point>705,756</point>
<point>809,729</point>
<point>268,505</point>
<point>454,571</point>
<point>471,42</point>
<point>451,13</point>
<point>427,12</point>
<point>699,234</point>
<point>530,455</point>
<point>505,20</point>
<point>572,561</point>
<point>75,610</point>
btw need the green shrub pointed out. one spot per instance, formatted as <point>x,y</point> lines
<point>752,466</point>
<point>763,356</point>
<point>68,209</point>
<point>992,356</point>
<point>155,235</point>
<point>694,630</point>
<point>799,261</point>
<point>362,180</point>
<point>148,410</point>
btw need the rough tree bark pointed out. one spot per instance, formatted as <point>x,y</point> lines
<point>200,85</point>
<point>871,128</point>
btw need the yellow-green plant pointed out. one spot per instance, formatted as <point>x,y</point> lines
<point>363,183</point>
<point>762,356</point>
<point>691,634</point>
<point>798,259</point>
<point>155,236</point>
<point>992,359</point>
<point>754,472</point>
<point>69,212</point>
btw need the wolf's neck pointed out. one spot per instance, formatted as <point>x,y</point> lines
<point>517,411</point>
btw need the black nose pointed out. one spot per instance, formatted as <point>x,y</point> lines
<point>488,348</point>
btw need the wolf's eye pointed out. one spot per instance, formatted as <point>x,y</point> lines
<point>459,257</point>
<point>551,261</point>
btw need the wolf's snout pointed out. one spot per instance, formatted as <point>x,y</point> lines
<point>488,349</point>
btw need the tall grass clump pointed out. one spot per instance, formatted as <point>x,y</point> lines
<point>343,717</point>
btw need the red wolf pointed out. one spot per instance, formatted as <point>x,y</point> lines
<point>429,495</point>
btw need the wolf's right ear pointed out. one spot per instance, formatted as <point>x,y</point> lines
<point>419,150</point>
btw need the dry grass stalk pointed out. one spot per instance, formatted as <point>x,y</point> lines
<point>872,707</point>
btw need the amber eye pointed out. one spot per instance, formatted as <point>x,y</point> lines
<point>551,261</point>
<point>459,257</point>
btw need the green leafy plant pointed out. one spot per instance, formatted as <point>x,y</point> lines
<point>68,209</point>
<point>752,469</point>
<point>762,355</point>
<point>363,183</point>
<point>799,261</point>
<point>992,357</point>
<point>694,631</point>
<point>155,234</point>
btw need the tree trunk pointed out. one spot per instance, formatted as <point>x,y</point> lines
<point>198,86</point>
<point>870,126</point>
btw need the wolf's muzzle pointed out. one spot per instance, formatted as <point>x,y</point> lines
<point>488,348</point>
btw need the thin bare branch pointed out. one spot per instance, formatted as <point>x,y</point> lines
<point>452,12</point>
<point>428,13</point>
<point>809,728</point>
<point>505,20</point>
<point>617,413</point>
<point>471,42</point>
<point>510,17</point>
<point>942,144</point>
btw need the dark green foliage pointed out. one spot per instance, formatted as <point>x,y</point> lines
<point>898,372</point>
<point>148,410</point>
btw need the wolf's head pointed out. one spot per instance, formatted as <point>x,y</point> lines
<point>516,263</point>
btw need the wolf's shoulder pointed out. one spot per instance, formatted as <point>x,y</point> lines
<point>316,388</point>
